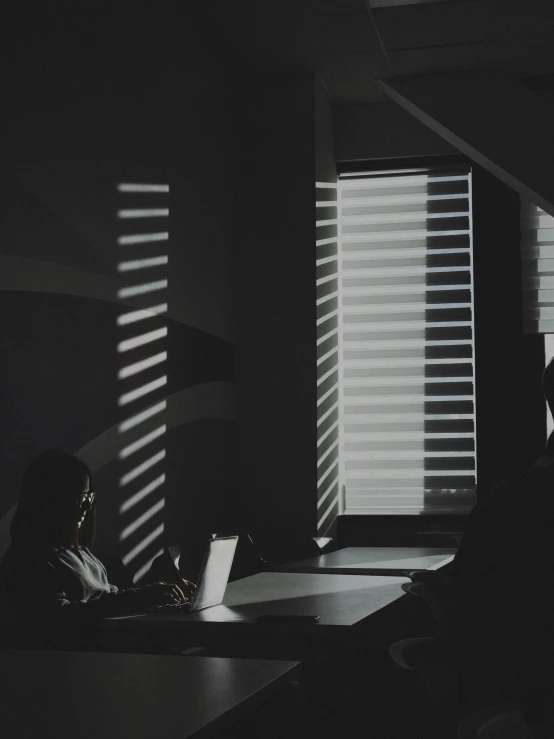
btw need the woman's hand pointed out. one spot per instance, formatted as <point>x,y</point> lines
<point>186,586</point>
<point>159,594</point>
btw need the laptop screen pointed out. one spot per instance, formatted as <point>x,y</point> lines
<point>215,572</point>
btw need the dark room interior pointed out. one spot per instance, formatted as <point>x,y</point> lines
<point>168,169</point>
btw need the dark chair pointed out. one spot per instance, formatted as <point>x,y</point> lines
<point>531,717</point>
<point>425,592</point>
<point>431,586</point>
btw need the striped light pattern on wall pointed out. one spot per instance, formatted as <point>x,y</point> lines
<point>142,374</point>
<point>537,258</point>
<point>407,373</point>
<point>327,324</point>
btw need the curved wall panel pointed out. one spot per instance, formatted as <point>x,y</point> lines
<point>59,304</point>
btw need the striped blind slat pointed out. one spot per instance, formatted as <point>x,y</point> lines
<point>327,351</point>
<point>537,259</point>
<point>407,406</point>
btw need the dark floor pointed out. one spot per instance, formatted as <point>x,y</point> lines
<point>348,698</point>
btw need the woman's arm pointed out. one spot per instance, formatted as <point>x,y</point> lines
<point>36,589</point>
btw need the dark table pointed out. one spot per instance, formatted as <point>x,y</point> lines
<point>118,696</point>
<point>345,604</point>
<point>393,561</point>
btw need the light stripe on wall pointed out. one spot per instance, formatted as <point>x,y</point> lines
<point>143,479</point>
<point>327,348</point>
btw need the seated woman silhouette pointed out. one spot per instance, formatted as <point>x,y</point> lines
<point>53,587</point>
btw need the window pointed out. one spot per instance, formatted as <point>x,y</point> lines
<point>406,348</point>
<point>537,257</point>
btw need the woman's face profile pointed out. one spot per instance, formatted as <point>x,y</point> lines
<point>84,502</point>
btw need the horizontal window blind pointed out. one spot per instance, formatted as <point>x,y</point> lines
<point>327,332</point>
<point>537,260</point>
<point>407,416</point>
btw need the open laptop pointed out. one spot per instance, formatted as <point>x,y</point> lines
<point>213,577</point>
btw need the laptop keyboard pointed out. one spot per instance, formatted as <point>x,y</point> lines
<point>173,607</point>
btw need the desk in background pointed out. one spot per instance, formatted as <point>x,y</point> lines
<point>385,561</point>
<point>115,696</point>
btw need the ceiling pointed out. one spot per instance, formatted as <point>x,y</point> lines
<point>348,43</point>
<point>351,43</point>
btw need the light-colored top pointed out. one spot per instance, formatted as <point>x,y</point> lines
<point>50,595</point>
<point>374,561</point>
<point>115,696</point>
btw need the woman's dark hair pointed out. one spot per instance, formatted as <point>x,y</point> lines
<point>47,506</point>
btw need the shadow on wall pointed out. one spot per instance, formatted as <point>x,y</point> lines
<point>59,378</point>
<point>88,110</point>
<point>196,496</point>
<point>198,469</point>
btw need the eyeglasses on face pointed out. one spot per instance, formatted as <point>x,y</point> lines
<point>86,500</point>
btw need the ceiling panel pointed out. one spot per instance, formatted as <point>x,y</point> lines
<point>357,87</point>
<point>463,21</point>
<point>336,38</point>
<point>522,18</point>
<point>372,63</point>
<point>332,37</point>
<point>435,25</point>
<point>518,57</point>
<point>522,56</point>
<point>291,30</point>
<point>395,3</point>
<point>332,7</point>
<point>347,34</point>
<point>445,59</point>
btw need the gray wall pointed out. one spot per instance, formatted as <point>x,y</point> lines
<point>122,108</point>
<point>239,152</point>
<point>325,161</point>
<point>275,306</point>
<point>383,131</point>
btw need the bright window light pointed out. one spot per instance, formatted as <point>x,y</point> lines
<point>403,289</point>
<point>143,213</point>
<point>140,392</point>
<point>148,287</point>
<point>139,315</point>
<point>135,551</point>
<point>142,238</point>
<point>144,364</point>
<point>141,187</point>
<point>142,339</point>
<point>141,520</point>
<point>142,416</point>
<point>141,468</point>
<point>134,264</point>
<point>150,435</point>
<point>141,494</point>
<point>142,442</point>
